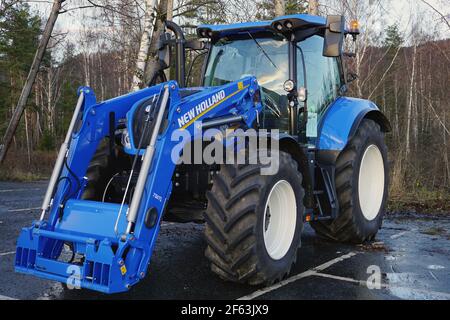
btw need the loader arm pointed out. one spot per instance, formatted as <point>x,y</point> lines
<point>114,242</point>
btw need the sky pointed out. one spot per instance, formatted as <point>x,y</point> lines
<point>400,12</point>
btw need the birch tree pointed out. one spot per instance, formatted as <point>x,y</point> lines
<point>313,7</point>
<point>279,8</point>
<point>141,61</point>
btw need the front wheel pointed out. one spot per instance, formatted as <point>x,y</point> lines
<point>362,187</point>
<point>254,222</point>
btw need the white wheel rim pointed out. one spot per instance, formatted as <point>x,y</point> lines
<point>280,219</point>
<point>371,182</point>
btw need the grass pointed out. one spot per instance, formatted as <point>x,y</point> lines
<point>420,200</point>
<point>435,231</point>
<point>17,167</point>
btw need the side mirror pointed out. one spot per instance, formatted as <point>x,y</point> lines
<point>164,50</point>
<point>195,44</point>
<point>334,36</point>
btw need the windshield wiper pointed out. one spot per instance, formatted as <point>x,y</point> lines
<point>262,50</point>
<point>275,110</point>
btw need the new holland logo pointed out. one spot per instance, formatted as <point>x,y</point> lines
<point>202,107</point>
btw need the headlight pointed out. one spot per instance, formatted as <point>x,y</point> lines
<point>288,24</point>
<point>288,85</point>
<point>278,26</point>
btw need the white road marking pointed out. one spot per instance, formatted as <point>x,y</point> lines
<point>24,209</point>
<point>6,298</point>
<point>299,276</point>
<point>433,275</point>
<point>434,294</point>
<point>435,267</point>
<point>12,190</point>
<point>334,261</point>
<point>7,253</point>
<point>398,235</point>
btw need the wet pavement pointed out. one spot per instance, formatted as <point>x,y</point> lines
<point>410,259</point>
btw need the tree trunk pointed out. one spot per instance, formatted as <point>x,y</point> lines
<point>169,15</point>
<point>153,64</point>
<point>9,134</point>
<point>144,44</point>
<point>313,7</point>
<point>410,104</point>
<point>279,8</point>
<point>27,136</point>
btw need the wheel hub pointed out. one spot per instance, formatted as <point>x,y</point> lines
<point>371,182</point>
<point>280,219</point>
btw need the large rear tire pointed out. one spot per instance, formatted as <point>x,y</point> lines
<point>362,187</point>
<point>254,222</point>
<point>99,172</point>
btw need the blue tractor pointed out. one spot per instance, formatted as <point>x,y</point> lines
<point>118,174</point>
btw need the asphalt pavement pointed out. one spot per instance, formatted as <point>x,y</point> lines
<point>410,259</point>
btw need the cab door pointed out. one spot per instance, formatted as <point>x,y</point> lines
<point>323,82</point>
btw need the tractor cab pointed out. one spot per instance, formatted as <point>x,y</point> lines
<point>296,59</point>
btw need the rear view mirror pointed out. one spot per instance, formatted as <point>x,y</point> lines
<point>195,44</point>
<point>334,36</point>
<point>164,50</point>
<point>335,27</point>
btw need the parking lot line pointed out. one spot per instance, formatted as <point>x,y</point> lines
<point>299,276</point>
<point>435,294</point>
<point>398,235</point>
<point>24,209</point>
<point>12,190</point>
<point>7,253</point>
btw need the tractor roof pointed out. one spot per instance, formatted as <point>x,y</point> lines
<point>297,20</point>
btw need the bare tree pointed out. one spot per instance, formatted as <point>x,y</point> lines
<point>144,45</point>
<point>279,7</point>
<point>313,7</point>
<point>9,134</point>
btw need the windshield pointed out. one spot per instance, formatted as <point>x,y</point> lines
<point>264,58</point>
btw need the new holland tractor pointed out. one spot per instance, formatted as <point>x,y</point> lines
<point>118,174</point>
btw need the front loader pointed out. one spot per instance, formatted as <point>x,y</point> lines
<point>119,172</point>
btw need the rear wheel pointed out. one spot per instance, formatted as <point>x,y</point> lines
<point>362,187</point>
<point>254,222</point>
<point>99,172</point>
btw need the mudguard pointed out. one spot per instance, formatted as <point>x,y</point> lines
<point>342,119</point>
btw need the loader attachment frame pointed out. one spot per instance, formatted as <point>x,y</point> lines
<point>112,243</point>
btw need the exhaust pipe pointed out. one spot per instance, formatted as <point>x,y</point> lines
<point>179,52</point>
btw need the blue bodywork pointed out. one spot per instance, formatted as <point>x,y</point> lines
<point>226,29</point>
<point>342,118</point>
<point>113,263</point>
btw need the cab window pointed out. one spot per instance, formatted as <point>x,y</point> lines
<point>323,79</point>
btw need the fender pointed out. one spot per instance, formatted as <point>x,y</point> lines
<point>343,118</point>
